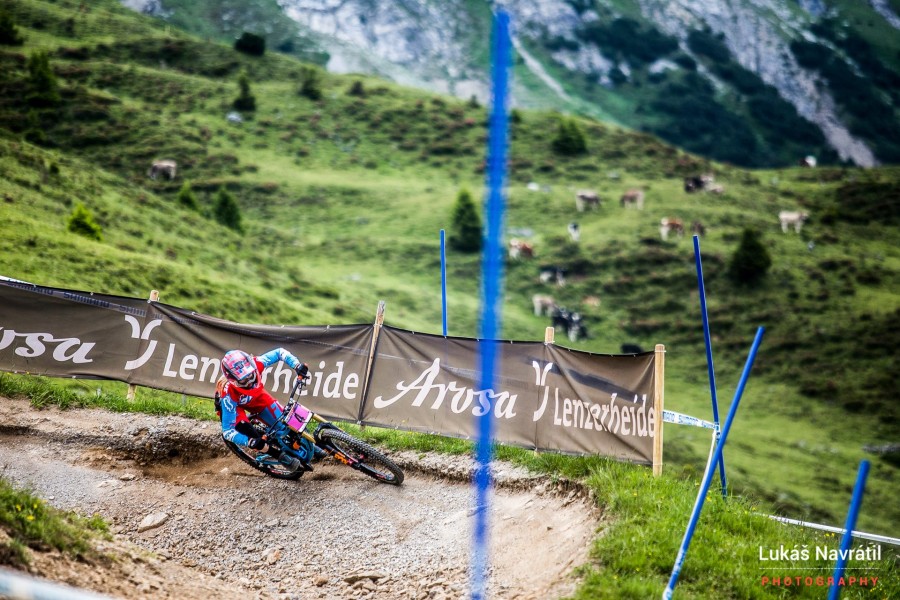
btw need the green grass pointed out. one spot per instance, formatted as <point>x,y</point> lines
<point>343,200</point>
<point>29,522</point>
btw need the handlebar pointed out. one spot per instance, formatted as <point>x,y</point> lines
<point>298,386</point>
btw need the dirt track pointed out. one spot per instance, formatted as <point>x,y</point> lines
<point>228,531</point>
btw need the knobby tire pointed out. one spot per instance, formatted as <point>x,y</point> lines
<point>371,462</point>
<point>270,470</point>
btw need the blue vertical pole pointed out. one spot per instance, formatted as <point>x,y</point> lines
<point>443,284</point>
<point>835,591</point>
<point>492,276</point>
<point>709,358</point>
<point>708,475</point>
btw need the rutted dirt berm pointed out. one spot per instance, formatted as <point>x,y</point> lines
<point>193,522</point>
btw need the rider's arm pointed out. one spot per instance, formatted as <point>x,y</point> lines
<point>229,420</point>
<point>273,356</point>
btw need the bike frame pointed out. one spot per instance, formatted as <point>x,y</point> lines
<point>294,421</point>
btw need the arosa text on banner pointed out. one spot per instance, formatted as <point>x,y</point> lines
<point>544,397</point>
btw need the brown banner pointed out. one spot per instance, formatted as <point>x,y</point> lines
<point>543,396</point>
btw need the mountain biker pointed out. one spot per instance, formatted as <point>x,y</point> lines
<point>240,395</point>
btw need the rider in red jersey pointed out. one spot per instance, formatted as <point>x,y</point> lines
<point>240,394</point>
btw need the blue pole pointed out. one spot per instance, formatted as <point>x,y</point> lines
<point>709,358</point>
<point>492,276</point>
<point>835,591</point>
<point>708,475</point>
<point>443,284</point>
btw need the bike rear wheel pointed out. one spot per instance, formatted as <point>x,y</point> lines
<point>367,459</point>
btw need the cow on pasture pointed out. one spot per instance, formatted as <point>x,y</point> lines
<point>543,304</point>
<point>697,228</point>
<point>670,225</point>
<point>520,249</point>
<point>791,218</point>
<point>574,231</point>
<point>552,274</point>
<point>585,199</point>
<point>634,198</point>
<point>168,168</point>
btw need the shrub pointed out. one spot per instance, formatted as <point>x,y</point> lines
<point>465,233</point>
<point>246,101</point>
<point>43,87</point>
<point>250,43</point>
<point>227,212</point>
<point>9,33</point>
<point>709,44</point>
<point>357,89</point>
<point>81,221</point>
<point>569,139</point>
<point>186,196</point>
<point>311,84</point>
<point>751,261</point>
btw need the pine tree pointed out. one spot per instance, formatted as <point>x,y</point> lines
<point>227,212</point>
<point>465,232</point>
<point>569,139</point>
<point>9,33</point>
<point>246,101</point>
<point>311,85</point>
<point>186,196</point>
<point>750,261</point>
<point>43,87</point>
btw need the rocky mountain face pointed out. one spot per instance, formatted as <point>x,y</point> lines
<point>595,56</point>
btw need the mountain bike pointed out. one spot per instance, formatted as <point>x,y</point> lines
<point>297,425</point>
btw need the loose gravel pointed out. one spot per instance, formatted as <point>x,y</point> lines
<point>200,519</point>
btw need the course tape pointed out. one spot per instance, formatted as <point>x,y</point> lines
<point>670,416</point>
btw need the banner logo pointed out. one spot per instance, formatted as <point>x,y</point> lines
<point>137,333</point>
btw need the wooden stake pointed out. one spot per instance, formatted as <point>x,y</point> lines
<point>379,322</point>
<point>658,402</point>
<point>132,389</point>
<point>548,335</point>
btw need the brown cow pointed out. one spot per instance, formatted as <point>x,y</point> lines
<point>634,198</point>
<point>697,228</point>
<point>670,224</point>
<point>585,199</point>
<point>519,249</point>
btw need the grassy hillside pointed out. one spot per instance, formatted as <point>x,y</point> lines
<point>342,200</point>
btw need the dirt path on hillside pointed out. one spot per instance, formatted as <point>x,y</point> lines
<point>231,532</point>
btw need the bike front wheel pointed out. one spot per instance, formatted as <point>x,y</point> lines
<point>363,457</point>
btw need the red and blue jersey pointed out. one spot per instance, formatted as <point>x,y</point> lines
<point>238,404</point>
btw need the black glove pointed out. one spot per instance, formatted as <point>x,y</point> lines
<point>302,371</point>
<point>256,443</point>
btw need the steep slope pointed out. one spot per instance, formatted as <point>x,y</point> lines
<point>343,198</point>
<point>732,70</point>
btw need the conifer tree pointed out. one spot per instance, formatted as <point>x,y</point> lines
<point>9,33</point>
<point>465,232</point>
<point>246,101</point>
<point>750,261</point>
<point>569,139</point>
<point>43,87</point>
<point>311,84</point>
<point>227,212</point>
<point>186,196</point>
